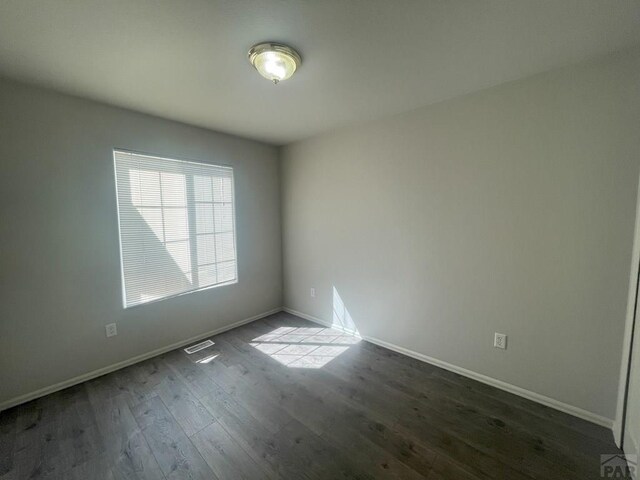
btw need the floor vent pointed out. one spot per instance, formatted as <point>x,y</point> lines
<point>198,346</point>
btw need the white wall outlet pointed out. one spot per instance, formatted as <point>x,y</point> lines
<point>313,292</point>
<point>500,341</point>
<point>111,329</point>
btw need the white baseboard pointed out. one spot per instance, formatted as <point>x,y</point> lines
<point>544,400</point>
<point>536,397</point>
<point>125,363</point>
<point>617,431</point>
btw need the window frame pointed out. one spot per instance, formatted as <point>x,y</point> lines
<point>193,242</point>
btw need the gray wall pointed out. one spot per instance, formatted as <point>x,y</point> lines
<point>509,210</point>
<point>60,273</point>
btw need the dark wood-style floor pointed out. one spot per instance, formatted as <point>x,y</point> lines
<point>251,408</point>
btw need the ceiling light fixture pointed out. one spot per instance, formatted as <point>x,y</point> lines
<point>274,61</point>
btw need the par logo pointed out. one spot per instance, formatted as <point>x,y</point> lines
<point>617,465</point>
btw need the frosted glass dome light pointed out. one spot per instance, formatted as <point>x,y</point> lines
<point>274,61</point>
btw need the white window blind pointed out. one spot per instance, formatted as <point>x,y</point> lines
<point>177,226</point>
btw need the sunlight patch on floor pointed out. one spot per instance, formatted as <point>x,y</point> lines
<point>208,358</point>
<point>304,347</point>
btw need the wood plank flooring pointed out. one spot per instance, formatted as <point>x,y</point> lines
<point>284,398</point>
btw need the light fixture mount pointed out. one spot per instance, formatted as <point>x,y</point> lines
<point>274,61</point>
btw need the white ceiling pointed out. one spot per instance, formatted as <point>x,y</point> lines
<point>186,59</point>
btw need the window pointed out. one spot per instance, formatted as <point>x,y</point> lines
<point>177,226</point>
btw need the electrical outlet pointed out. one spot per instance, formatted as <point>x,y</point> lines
<point>111,329</point>
<point>500,341</point>
<point>313,292</point>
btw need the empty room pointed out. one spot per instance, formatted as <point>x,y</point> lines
<point>309,240</point>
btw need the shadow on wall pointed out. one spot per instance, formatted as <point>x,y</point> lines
<point>311,347</point>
